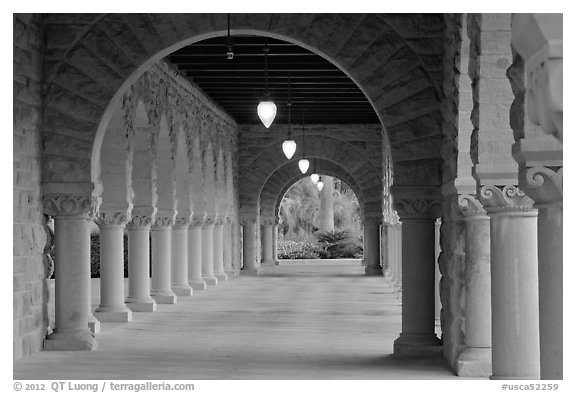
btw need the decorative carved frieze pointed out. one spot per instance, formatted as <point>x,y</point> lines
<point>508,198</point>
<point>543,184</point>
<point>470,206</point>
<point>163,223</point>
<point>62,205</point>
<point>249,220</point>
<point>182,222</point>
<point>268,221</point>
<point>209,220</point>
<point>417,208</point>
<point>111,219</point>
<point>140,222</point>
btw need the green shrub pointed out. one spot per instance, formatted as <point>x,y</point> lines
<point>339,244</point>
<point>288,249</point>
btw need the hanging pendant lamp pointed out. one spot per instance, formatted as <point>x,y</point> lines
<point>303,164</point>
<point>266,108</point>
<point>314,176</point>
<point>320,184</point>
<point>289,146</point>
<point>229,50</point>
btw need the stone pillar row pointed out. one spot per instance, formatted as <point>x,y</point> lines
<point>187,252</point>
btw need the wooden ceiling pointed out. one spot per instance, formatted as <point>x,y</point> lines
<point>320,91</point>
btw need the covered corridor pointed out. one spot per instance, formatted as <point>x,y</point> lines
<point>292,322</point>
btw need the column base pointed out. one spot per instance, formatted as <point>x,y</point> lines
<point>113,316</point>
<point>93,324</point>
<point>230,273</point>
<point>164,297</point>
<point>417,345</point>
<point>210,280</point>
<point>148,305</point>
<point>221,277</point>
<point>371,270</point>
<point>198,285</point>
<point>250,272</point>
<point>82,340</point>
<point>268,264</point>
<point>182,290</point>
<point>474,362</point>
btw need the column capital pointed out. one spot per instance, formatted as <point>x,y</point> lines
<point>268,221</point>
<point>140,222</point>
<point>249,220</point>
<point>219,221</point>
<point>543,184</point>
<point>181,221</point>
<point>164,220</point>
<point>417,208</point>
<point>209,220</point>
<point>111,219</point>
<point>66,205</point>
<point>197,219</point>
<point>470,206</point>
<point>373,220</point>
<point>502,199</point>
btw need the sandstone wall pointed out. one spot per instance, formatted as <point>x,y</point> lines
<point>30,291</point>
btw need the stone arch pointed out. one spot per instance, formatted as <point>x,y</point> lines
<point>396,60</point>
<point>220,184</point>
<point>356,165</point>
<point>277,185</point>
<point>165,168</point>
<point>209,188</point>
<point>197,170</point>
<point>183,176</point>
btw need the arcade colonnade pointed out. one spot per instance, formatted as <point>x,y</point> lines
<point>145,152</point>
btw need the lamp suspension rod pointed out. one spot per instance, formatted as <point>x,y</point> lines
<point>266,49</point>
<point>289,108</point>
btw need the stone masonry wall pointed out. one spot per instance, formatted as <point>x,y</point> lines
<point>29,285</point>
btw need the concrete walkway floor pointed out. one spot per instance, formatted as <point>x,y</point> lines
<point>292,322</point>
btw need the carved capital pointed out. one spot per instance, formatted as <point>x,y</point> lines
<point>163,223</point>
<point>249,220</point>
<point>373,220</point>
<point>62,205</point>
<point>219,221</point>
<point>501,199</point>
<point>209,220</point>
<point>111,219</point>
<point>268,221</point>
<point>182,222</point>
<point>469,206</point>
<point>417,208</point>
<point>140,222</point>
<point>543,184</point>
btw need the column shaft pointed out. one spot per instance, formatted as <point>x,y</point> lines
<point>208,254</point>
<point>139,298</point>
<point>179,253</point>
<point>550,274</point>
<point>72,287</point>
<point>267,244</point>
<point>219,253</point>
<point>161,269</point>
<point>195,258</point>
<point>112,307</point>
<point>476,359</point>
<point>249,247</point>
<point>372,247</point>
<point>514,267</point>
<point>227,249</point>
<point>418,336</point>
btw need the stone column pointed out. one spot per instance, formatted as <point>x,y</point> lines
<point>275,242</point>
<point>139,299</point>
<point>228,268</point>
<point>514,270</point>
<point>72,265</point>
<point>219,250</point>
<point>267,224</point>
<point>195,253</point>
<point>326,216</point>
<point>112,307</point>
<point>386,254</point>
<point>161,290</point>
<point>208,251</point>
<point>476,359</point>
<point>372,245</point>
<point>179,253</point>
<point>249,235</point>
<point>418,337</point>
<point>544,185</point>
<point>398,257</point>
<point>437,275</point>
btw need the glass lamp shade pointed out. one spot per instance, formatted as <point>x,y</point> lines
<point>267,112</point>
<point>314,177</point>
<point>289,148</point>
<point>303,164</point>
<point>320,185</point>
